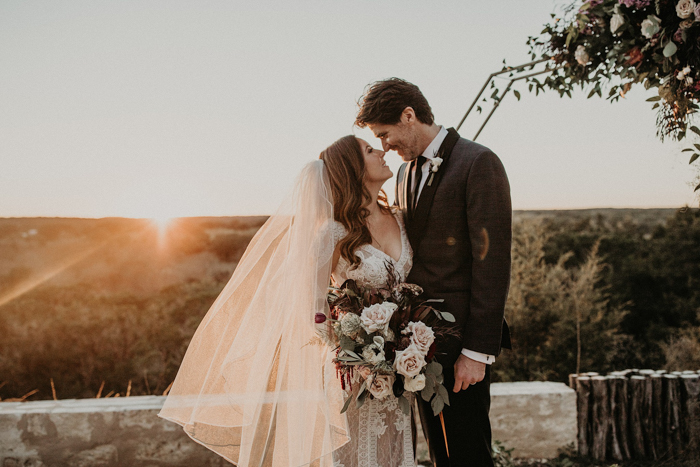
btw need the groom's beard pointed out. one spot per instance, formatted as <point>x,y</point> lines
<point>409,149</point>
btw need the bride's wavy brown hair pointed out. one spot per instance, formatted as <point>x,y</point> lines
<point>345,165</point>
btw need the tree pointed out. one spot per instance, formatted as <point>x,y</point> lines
<point>561,319</point>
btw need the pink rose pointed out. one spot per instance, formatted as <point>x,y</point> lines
<point>381,386</point>
<point>409,362</point>
<point>364,371</point>
<point>376,317</point>
<point>422,336</point>
<point>685,8</point>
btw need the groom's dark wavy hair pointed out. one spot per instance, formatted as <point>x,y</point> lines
<point>384,101</point>
<point>345,166</point>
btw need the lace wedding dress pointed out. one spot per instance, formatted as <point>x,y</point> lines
<point>380,433</point>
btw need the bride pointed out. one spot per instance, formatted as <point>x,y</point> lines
<point>255,386</point>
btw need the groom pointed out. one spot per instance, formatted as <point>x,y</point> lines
<point>455,198</point>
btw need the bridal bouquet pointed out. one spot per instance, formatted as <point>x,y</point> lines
<point>381,338</point>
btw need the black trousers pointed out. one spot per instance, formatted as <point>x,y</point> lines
<point>466,422</point>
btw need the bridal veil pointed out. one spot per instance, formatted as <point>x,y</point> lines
<point>251,385</point>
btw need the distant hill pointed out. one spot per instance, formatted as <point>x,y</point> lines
<point>649,217</point>
<point>119,255</point>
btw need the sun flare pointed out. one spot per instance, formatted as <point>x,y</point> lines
<point>162,225</point>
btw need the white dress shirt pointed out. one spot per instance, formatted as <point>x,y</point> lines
<point>430,153</point>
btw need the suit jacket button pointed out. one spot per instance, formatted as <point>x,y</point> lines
<point>451,241</point>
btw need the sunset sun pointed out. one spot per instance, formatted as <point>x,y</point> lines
<point>162,225</point>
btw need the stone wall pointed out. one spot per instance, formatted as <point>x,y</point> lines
<point>536,419</point>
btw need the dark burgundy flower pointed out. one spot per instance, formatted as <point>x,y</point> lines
<point>389,351</point>
<point>635,56</point>
<point>409,289</point>
<point>678,36</point>
<point>398,387</point>
<point>431,351</point>
<point>320,318</point>
<point>375,297</point>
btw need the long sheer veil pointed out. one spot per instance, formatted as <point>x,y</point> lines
<point>251,385</point>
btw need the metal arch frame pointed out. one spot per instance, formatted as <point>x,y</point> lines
<point>510,84</point>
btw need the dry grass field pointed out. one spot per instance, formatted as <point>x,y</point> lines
<point>107,306</point>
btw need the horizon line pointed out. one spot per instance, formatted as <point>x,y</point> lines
<point>267,215</point>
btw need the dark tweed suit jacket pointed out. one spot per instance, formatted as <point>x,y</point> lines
<point>460,233</point>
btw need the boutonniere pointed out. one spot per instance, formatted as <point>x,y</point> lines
<point>434,167</point>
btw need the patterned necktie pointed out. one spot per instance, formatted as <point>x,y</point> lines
<point>415,185</point>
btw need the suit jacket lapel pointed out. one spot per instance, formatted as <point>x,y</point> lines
<point>420,216</point>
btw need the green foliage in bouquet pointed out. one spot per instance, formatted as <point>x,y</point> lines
<point>382,338</point>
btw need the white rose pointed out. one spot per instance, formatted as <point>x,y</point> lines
<point>650,26</point>
<point>409,362</point>
<point>422,336</point>
<point>376,317</point>
<point>686,70</point>
<point>381,386</point>
<point>685,8</point>
<point>581,55</point>
<point>616,21</point>
<point>435,163</point>
<point>415,384</point>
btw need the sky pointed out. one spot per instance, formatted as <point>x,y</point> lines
<point>210,108</point>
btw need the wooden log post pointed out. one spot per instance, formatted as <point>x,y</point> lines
<point>583,397</point>
<point>601,417</point>
<point>623,416</point>
<point>672,432</point>
<point>648,416</point>
<point>615,446</point>
<point>572,380</point>
<point>690,416</point>
<point>637,414</point>
<point>658,410</point>
<point>637,384</point>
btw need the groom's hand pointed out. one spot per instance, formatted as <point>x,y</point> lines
<point>468,372</point>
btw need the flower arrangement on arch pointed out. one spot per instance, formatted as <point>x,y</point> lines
<point>616,44</point>
<point>383,344</point>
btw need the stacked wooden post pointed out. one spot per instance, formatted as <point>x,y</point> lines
<point>637,414</point>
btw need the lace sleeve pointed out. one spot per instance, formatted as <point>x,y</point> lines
<point>339,232</point>
<point>328,237</point>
